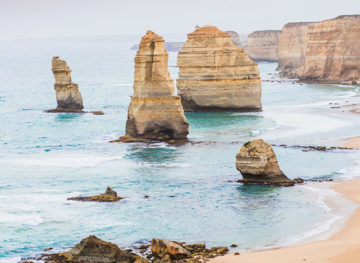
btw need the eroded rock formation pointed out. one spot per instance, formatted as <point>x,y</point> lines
<point>333,51</point>
<point>94,250</point>
<point>292,48</point>
<point>67,93</point>
<point>109,196</point>
<point>215,75</point>
<point>154,113</point>
<point>258,164</point>
<point>235,38</point>
<point>263,45</point>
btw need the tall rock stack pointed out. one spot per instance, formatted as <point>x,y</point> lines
<point>67,93</point>
<point>154,113</point>
<point>333,51</point>
<point>292,48</point>
<point>263,45</point>
<point>215,75</point>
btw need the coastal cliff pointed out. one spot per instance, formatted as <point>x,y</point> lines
<point>154,113</point>
<point>235,38</point>
<point>333,51</point>
<point>68,95</point>
<point>215,75</point>
<point>169,46</point>
<point>292,48</point>
<point>263,45</point>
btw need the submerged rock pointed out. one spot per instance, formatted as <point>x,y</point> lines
<point>109,196</point>
<point>154,113</point>
<point>68,95</point>
<point>216,75</point>
<point>258,164</point>
<point>95,250</point>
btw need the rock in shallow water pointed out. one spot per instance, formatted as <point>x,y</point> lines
<point>154,113</point>
<point>109,196</point>
<point>258,164</point>
<point>216,75</point>
<point>68,95</point>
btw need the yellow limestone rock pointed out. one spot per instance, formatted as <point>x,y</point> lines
<point>67,93</point>
<point>263,45</point>
<point>215,75</point>
<point>333,51</point>
<point>154,113</point>
<point>292,48</point>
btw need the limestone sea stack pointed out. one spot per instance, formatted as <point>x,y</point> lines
<point>154,113</point>
<point>215,75</point>
<point>67,93</point>
<point>333,51</point>
<point>258,164</point>
<point>292,48</point>
<point>235,38</point>
<point>263,45</point>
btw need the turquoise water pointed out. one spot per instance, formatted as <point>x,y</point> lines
<point>46,158</point>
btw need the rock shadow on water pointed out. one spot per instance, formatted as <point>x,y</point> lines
<point>67,117</point>
<point>153,154</point>
<point>216,119</point>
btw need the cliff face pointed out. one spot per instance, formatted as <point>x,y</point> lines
<point>215,75</point>
<point>333,51</point>
<point>263,45</point>
<point>67,93</point>
<point>169,46</point>
<point>292,48</point>
<point>235,38</point>
<point>155,113</point>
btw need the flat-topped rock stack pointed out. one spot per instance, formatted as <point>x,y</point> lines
<point>154,113</point>
<point>292,48</point>
<point>235,38</point>
<point>333,51</point>
<point>215,75</point>
<point>67,93</point>
<point>263,45</point>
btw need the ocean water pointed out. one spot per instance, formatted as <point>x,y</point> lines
<point>46,158</point>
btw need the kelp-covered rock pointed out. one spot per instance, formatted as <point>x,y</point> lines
<point>67,93</point>
<point>258,164</point>
<point>154,113</point>
<point>109,196</point>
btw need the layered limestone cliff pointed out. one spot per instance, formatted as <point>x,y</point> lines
<point>215,75</point>
<point>263,45</point>
<point>292,48</point>
<point>67,93</point>
<point>154,113</point>
<point>235,38</point>
<point>333,51</point>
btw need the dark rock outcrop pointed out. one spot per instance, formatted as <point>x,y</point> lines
<point>94,250</point>
<point>258,165</point>
<point>109,196</point>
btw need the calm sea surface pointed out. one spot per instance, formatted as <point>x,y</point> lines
<point>46,158</point>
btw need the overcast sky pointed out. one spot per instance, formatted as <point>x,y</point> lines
<point>50,18</point>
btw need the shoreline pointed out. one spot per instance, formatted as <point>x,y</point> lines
<point>344,246</point>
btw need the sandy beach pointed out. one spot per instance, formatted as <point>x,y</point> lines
<point>343,247</point>
<point>353,143</point>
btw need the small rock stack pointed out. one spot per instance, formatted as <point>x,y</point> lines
<point>258,164</point>
<point>67,93</point>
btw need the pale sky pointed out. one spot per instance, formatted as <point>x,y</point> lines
<point>58,18</point>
